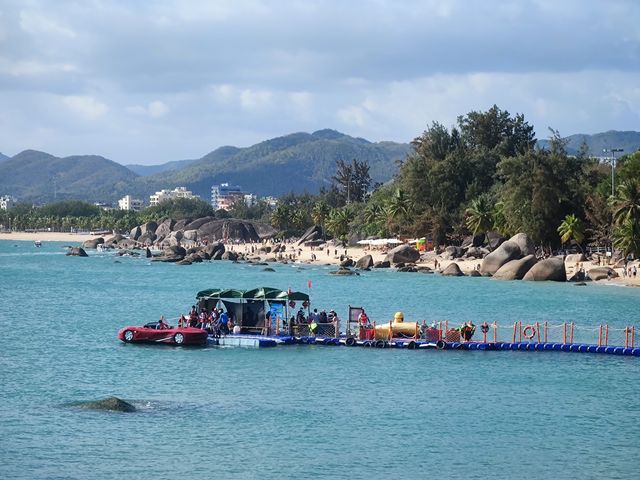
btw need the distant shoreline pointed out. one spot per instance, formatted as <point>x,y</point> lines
<point>305,256</point>
<point>47,236</point>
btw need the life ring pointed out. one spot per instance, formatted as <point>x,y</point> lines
<point>292,304</point>
<point>305,304</point>
<point>529,331</point>
<point>484,327</point>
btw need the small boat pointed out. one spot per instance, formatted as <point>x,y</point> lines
<point>37,243</point>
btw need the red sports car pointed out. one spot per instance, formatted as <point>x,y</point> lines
<point>152,333</point>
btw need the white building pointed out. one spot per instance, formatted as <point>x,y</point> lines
<point>162,195</point>
<point>7,202</point>
<point>129,203</point>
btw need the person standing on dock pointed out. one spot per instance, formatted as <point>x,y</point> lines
<point>224,322</point>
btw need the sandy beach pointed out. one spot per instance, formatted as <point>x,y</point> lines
<point>47,237</point>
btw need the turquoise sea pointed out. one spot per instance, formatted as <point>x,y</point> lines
<point>301,411</point>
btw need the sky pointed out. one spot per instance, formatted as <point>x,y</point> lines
<point>152,81</point>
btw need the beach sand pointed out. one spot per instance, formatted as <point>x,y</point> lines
<point>47,237</point>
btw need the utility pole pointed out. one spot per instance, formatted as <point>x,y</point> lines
<point>613,152</point>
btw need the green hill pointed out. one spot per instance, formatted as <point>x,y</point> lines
<point>40,177</point>
<point>628,141</point>
<point>293,163</point>
<point>146,170</point>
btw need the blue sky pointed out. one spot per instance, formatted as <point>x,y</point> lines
<point>153,81</point>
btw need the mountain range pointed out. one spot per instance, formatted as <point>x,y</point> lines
<point>292,163</point>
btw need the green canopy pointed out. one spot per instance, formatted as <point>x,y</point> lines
<point>260,293</point>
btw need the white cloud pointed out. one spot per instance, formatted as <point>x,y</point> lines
<point>85,106</point>
<point>157,109</point>
<point>38,23</point>
<point>255,99</point>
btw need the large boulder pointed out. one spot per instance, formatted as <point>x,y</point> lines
<point>190,235</point>
<point>213,249</point>
<point>110,242</point>
<point>602,273</point>
<point>365,262</point>
<point>504,253</point>
<point>229,255</point>
<point>515,269</point>
<point>76,252</point>
<point>473,241</point>
<point>149,227</point>
<point>347,262</point>
<point>382,264</point>
<point>313,233</point>
<point>182,224</point>
<point>547,269</point>
<point>493,240</point>
<point>452,270</point>
<point>113,404</point>
<point>165,228</point>
<point>93,243</point>
<point>525,243</point>
<point>403,254</point>
<point>135,233</point>
<point>174,250</point>
<point>452,252</point>
<point>147,238</point>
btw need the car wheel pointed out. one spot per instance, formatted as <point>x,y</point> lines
<point>128,336</point>
<point>178,338</point>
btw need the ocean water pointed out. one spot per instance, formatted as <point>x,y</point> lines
<point>301,411</point>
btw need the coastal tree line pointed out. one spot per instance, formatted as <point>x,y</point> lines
<point>483,174</point>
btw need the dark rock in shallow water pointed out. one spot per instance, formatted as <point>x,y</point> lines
<point>113,404</point>
<point>343,271</point>
<point>268,269</point>
<point>77,252</point>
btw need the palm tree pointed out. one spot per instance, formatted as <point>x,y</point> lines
<point>626,203</point>
<point>571,227</point>
<point>319,215</point>
<point>281,217</point>
<point>338,222</point>
<point>626,237</point>
<point>398,208</point>
<point>480,214</point>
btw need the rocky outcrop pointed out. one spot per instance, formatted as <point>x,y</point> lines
<point>229,255</point>
<point>550,269</point>
<point>493,240</point>
<point>382,264</point>
<point>365,262</point>
<point>190,235</point>
<point>347,262</point>
<point>473,241</point>
<point>114,241</point>
<point>504,253</point>
<point>474,273</point>
<point>602,273</point>
<point>524,243</point>
<point>403,254</point>
<point>164,229</point>
<point>312,233</point>
<point>112,404</point>
<point>452,270</point>
<point>76,252</point>
<point>452,252</point>
<point>515,269</point>
<point>93,243</point>
<point>343,271</point>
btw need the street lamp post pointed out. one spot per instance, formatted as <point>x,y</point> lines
<point>613,152</point>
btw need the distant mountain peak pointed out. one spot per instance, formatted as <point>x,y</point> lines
<point>328,134</point>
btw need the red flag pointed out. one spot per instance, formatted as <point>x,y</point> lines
<point>309,284</point>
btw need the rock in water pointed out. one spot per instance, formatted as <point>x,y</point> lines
<point>113,404</point>
<point>77,252</point>
<point>452,270</point>
<point>365,262</point>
